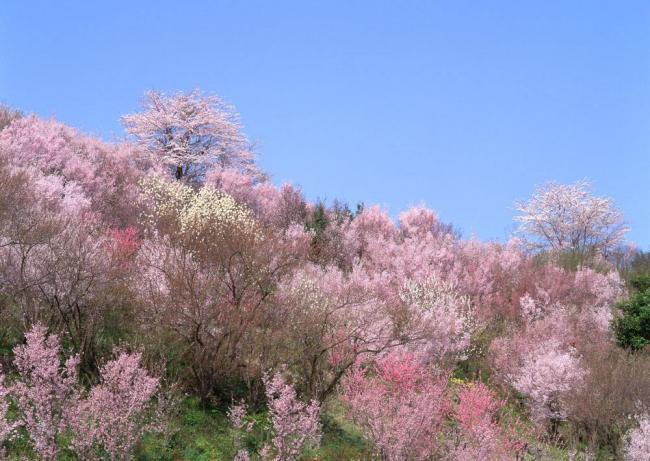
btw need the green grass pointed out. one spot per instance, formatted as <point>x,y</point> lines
<point>200,434</point>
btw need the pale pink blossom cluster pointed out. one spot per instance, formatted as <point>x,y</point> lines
<point>541,362</point>
<point>295,424</point>
<point>114,413</point>
<point>277,207</point>
<point>442,315</point>
<point>111,416</point>
<point>547,374</point>
<point>45,389</point>
<point>82,166</point>
<point>341,314</point>
<point>637,447</point>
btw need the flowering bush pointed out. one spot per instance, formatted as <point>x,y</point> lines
<point>399,405</point>
<point>112,416</point>
<point>295,424</point>
<point>479,434</point>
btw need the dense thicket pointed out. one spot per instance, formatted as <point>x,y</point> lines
<point>135,273</point>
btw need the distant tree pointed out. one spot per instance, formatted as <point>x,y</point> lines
<point>568,219</point>
<point>637,270</point>
<point>319,219</point>
<point>189,133</point>
<point>8,115</point>
<point>641,262</point>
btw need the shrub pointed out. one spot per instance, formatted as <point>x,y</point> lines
<point>633,328</point>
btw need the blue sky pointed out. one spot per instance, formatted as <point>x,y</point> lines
<point>463,106</point>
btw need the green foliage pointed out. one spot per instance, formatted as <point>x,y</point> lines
<point>640,282</point>
<point>318,221</point>
<point>633,328</point>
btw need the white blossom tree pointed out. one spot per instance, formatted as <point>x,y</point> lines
<point>190,132</point>
<point>569,219</point>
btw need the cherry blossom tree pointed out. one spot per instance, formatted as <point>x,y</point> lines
<point>44,390</point>
<point>279,208</point>
<point>111,417</point>
<point>545,375</point>
<point>114,415</point>
<point>440,318</point>
<point>542,362</point>
<point>189,133</point>
<point>399,404</point>
<point>479,434</point>
<point>105,174</point>
<point>295,424</point>
<point>568,218</point>
<point>57,259</point>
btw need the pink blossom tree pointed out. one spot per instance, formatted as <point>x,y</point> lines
<point>44,389</point>
<point>56,259</point>
<point>105,173</point>
<point>541,362</point>
<point>111,417</point>
<point>295,424</point>
<point>479,434</point>
<point>335,319</point>
<point>399,404</point>
<point>115,413</point>
<point>279,208</point>
<point>440,319</point>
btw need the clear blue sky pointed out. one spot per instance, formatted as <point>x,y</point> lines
<point>464,106</point>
